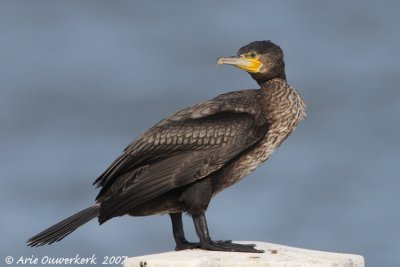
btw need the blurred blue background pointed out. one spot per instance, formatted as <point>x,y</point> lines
<point>80,79</point>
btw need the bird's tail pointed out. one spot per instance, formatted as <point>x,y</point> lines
<point>65,227</point>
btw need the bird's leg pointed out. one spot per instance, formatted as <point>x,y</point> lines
<point>179,234</point>
<point>206,243</point>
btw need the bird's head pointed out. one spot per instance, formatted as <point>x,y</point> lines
<point>263,60</point>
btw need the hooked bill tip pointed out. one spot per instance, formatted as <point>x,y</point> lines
<point>220,60</point>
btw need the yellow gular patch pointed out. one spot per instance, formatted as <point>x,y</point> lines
<point>251,64</point>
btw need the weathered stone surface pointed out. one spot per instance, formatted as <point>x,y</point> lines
<point>275,255</point>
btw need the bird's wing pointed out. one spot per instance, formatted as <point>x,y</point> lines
<point>244,101</point>
<point>179,150</point>
<point>176,133</point>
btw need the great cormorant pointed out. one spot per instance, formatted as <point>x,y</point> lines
<point>180,163</point>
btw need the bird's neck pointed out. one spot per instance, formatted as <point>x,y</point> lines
<point>276,72</point>
<point>281,101</point>
<point>266,79</point>
<point>272,82</point>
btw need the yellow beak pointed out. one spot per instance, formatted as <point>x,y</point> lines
<point>247,64</point>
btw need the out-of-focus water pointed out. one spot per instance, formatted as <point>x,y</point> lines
<point>80,79</point>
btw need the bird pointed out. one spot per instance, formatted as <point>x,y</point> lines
<point>184,160</point>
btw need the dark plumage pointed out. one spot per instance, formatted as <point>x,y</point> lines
<point>188,157</point>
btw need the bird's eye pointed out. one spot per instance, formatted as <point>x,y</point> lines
<point>252,55</point>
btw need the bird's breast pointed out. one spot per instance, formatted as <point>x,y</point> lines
<point>283,111</point>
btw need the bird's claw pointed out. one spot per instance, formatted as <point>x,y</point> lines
<point>187,245</point>
<point>229,246</point>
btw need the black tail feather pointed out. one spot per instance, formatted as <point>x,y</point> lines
<point>65,227</point>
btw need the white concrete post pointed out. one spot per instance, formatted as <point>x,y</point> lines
<point>275,255</point>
